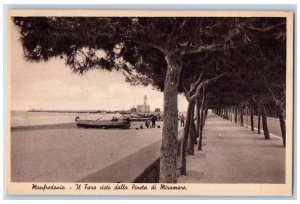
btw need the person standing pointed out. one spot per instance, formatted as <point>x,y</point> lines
<point>153,121</point>
<point>181,120</point>
<point>147,123</point>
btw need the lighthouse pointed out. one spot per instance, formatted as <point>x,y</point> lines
<point>143,108</point>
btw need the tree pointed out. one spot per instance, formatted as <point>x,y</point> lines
<point>191,96</point>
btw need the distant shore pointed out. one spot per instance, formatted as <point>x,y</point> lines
<point>91,111</point>
<point>71,111</point>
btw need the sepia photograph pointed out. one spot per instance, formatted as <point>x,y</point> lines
<point>149,103</point>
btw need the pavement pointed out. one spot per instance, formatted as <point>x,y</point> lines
<point>235,154</point>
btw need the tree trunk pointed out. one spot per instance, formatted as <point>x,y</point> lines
<point>227,114</point>
<point>201,128</point>
<point>191,132</point>
<point>195,136</point>
<point>205,115</point>
<point>264,123</point>
<point>235,115</point>
<point>246,114</point>
<point>201,121</point>
<point>242,118</point>
<point>258,119</point>
<point>185,137</point>
<point>197,118</point>
<point>282,127</point>
<point>251,118</point>
<point>276,112</point>
<point>169,144</point>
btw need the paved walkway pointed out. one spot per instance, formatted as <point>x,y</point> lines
<point>235,154</point>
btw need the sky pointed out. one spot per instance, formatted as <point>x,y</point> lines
<point>52,86</point>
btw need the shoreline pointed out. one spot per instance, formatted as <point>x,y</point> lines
<point>70,125</point>
<point>44,126</point>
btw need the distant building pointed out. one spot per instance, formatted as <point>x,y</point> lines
<point>133,109</point>
<point>144,107</point>
<point>157,110</point>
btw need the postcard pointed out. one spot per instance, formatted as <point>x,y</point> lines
<point>132,102</point>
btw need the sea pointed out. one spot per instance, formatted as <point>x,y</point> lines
<point>25,118</point>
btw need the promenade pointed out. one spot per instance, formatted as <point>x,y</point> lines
<point>235,154</point>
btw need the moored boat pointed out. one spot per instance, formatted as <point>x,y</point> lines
<point>123,123</point>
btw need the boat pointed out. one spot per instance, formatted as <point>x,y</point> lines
<point>123,123</point>
<point>140,117</point>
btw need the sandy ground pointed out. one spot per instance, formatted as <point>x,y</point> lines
<point>234,154</point>
<point>69,154</point>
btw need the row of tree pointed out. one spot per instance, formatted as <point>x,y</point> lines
<point>236,114</point>
<point>214,61</point>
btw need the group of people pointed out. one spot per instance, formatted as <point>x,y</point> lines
<point>114,119</point>
<point>149,123</point>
